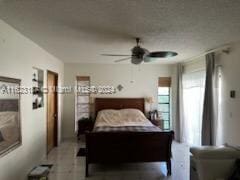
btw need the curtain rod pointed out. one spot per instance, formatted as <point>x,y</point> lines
<point>224,48</point>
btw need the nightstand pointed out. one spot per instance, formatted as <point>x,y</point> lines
<point>84,126</point>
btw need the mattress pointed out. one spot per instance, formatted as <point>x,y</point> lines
<point>127,129</point>
<point>124,120</point>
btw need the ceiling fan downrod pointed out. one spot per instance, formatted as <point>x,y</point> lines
<point>138,41</point>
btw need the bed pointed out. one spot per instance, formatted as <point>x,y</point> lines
<point>126,144</point>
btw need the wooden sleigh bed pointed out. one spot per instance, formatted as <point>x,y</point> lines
<point>127,146</point>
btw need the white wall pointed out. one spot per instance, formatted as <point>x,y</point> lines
<point>145,83</point>
<point>197,64</point>
<point>228,127</point>
<point>17,57</point>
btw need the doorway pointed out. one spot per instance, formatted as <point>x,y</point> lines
<point>193,95</point>
<point>52,111</point>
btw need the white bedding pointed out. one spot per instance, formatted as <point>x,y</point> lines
<point>123,117</point>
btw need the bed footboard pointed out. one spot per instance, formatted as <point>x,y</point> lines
<point>123,147</point>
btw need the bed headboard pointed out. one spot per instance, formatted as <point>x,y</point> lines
<point>119,103</point>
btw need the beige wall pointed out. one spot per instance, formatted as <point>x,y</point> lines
<point>144,77</point>
<point>17,57</point>
<point>228,127</point>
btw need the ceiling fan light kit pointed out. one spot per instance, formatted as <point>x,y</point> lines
<point>140,55</point>
<point>149,59</point>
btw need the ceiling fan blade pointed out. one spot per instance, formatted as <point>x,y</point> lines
<point>148,59</point>
<point>124,59</point>
<point>116,55</point>
<point>162,54</point>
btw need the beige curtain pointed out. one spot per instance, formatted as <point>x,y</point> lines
<point>209,99</point>
<point>179,105</point>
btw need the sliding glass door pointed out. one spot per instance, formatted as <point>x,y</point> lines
<point>193,94</point>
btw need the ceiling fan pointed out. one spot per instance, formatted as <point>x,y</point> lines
<point>140,54</point>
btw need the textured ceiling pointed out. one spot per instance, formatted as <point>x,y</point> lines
<point>81,30</point>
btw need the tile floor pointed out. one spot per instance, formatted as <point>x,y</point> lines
<point>66,166</point>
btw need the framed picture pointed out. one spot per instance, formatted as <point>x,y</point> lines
<point>37,80</point>
<point>10,123</point>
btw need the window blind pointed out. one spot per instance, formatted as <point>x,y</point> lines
<point>82,100</point>
<point>83,78</point>
<point>164,82</point>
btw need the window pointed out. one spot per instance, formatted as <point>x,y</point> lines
<point>164,84</point>
<point>82,102</point>
<point>219,125</point>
